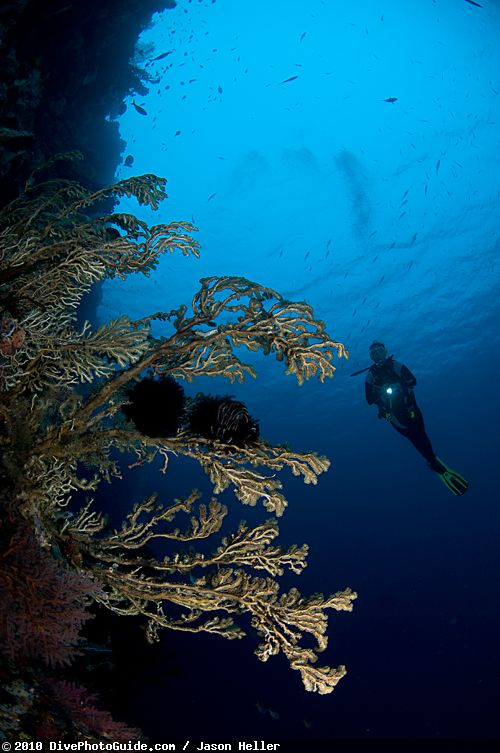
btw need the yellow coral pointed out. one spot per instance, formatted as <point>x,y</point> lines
<point>52,253</point>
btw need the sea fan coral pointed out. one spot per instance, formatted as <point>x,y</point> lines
<point>62,441</point>
<point>44,602</point>
<point>222,418</point>
<point>77,710</point>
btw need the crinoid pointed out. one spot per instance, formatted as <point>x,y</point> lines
<point>222,418</point>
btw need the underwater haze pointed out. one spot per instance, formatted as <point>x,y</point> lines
<point>346,154</point>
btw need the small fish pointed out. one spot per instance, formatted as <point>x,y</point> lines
<point>128,161</point>
<point>375,258</point>
<point>58,12</point>
<point>281,253</point>
<point>392,245</point>
<point>139,109</point>
<point>286,80</point>
<point>372,234</point>
<point>413,239</point>
<point>302,36</point>
<point>381,279</point>
<point>402,215</point>
<point>219,89</point>
<point>328,243</point>
<point>177,133</point>
<point>405,193</point>
<point>403,203</point>
<point>211,196</point>
<point>91,76</point>
<point>437,166</point>
<point>305,257</point>
<point>163,55</point>
<point>390,99</point>
<point>97,648</point>
<point>273,714</point>
<point>471,2</point>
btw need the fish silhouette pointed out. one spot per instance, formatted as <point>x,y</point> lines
<point>139,109</point>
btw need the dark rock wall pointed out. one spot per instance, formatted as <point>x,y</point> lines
<point>64,68</point>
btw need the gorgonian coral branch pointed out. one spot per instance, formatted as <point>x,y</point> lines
<point>259,318</point>
<point>60,443</point>
<point>224,464</point>
<point>136,585</point>
<point>63,355</point>
<point>200,346</point>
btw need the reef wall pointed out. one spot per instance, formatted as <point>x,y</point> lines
<point>65,66</point>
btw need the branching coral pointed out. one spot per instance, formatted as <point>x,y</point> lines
<point>52,251</point>
<point>136,586</point>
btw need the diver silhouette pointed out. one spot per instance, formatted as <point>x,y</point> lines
<point>389,385</point>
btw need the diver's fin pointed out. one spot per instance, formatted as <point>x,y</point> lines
<point>456,483</point>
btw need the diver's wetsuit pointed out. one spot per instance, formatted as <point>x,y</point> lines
<point>399,407</point>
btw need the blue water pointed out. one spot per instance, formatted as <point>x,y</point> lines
<point>384,216</point>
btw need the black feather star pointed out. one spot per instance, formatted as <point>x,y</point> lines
<point>222,418</point>
<point>156,406</point>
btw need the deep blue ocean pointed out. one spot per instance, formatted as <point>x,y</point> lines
<point>346,154</point>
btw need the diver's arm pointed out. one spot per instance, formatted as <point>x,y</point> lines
<point>373,397</point>
<point>404,375</point>
<point>370,391</point>
<point>370,399</point>
<point>407,377</point>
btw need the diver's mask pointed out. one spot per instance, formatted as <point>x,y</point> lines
<point>378,353</point>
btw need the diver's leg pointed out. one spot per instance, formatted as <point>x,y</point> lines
<point>412,427</point>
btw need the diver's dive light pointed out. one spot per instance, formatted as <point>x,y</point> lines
<point>394,394</point>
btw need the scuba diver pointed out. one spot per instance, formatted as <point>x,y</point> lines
<point>389,384</point>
